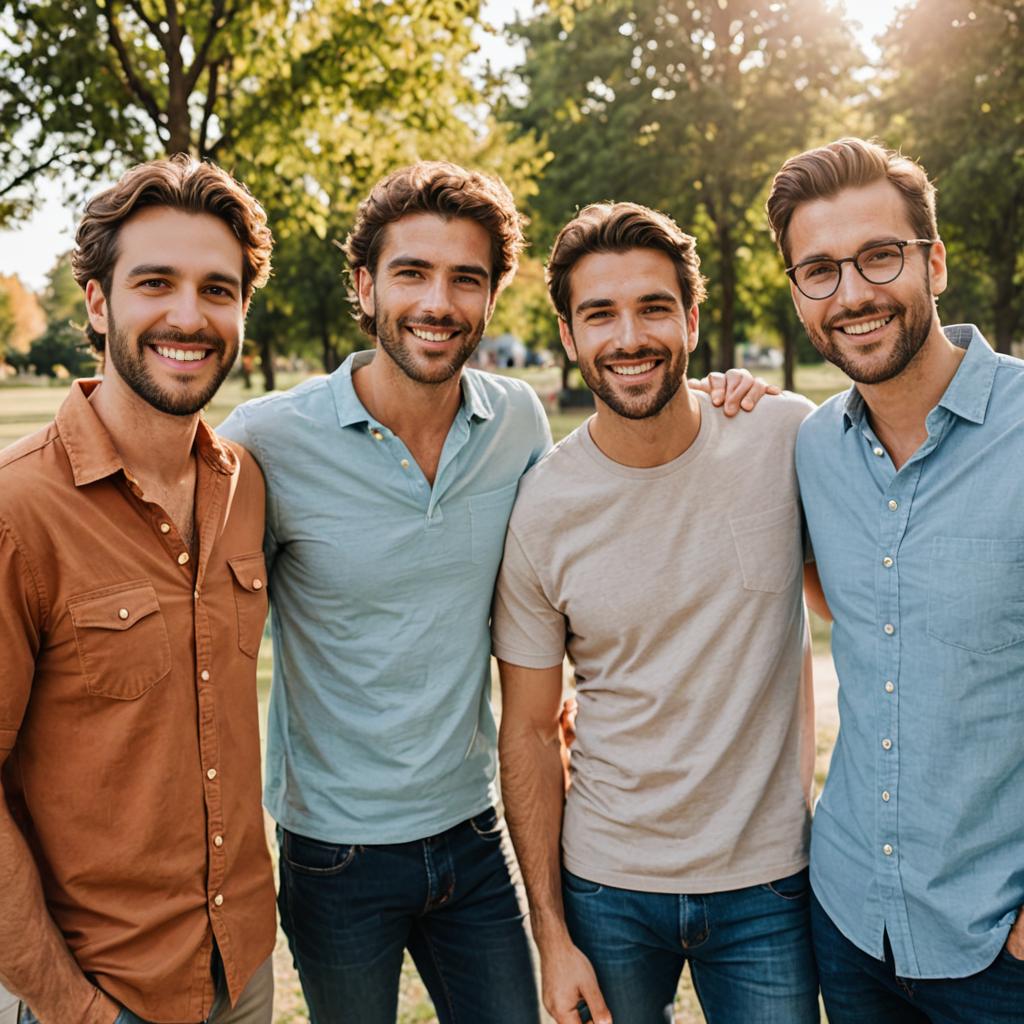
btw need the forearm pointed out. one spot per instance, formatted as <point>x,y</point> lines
<point>35,963</point>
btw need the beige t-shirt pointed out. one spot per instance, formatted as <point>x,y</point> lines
<point>677,592</point>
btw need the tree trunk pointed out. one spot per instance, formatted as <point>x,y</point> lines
<point>788,360</point>
<point>267,362</point>
<point>727,275</point>
<point>1006,312</point>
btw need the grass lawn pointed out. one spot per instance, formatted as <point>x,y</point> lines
<point>25,409</point>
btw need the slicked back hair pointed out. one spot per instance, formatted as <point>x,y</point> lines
<point>619,227</point>
<point>179,183</point>
<point>824,172</point>
<point>445,190</point>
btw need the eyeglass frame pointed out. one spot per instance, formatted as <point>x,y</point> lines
<point>901,244</point>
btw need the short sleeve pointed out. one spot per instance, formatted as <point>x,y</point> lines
<point>542,444</point>
<point>20,631</point>
<point>525,629</point>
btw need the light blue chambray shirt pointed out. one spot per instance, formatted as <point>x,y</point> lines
<point>920,830</point>
<point>380,725</point>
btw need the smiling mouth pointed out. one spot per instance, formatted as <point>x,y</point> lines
<point>182,355</point>
<point>434,336</point>
<point>633,369</point>
<point>866,328</point>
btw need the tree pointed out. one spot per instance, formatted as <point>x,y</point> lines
<point>6,323</point>
<point>954,97</point>
<point>27,320</point>
<point>685,105</point>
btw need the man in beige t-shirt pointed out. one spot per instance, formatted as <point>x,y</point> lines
<point>661,547</point>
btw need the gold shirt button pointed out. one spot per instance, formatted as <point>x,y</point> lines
<point>165,527</point>
<point>257,584</point>
<point>122,613</point>
<point>183,558</point>
<point>211,773</point>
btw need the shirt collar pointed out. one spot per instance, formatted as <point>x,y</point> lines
<point>968,392</point>
<point>91,450</point>
<point>351,411</point>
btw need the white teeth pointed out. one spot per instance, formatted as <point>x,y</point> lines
<point>430,335</point>
<point>871,325</point>
<point>632,371</point>
<point>182,355</point>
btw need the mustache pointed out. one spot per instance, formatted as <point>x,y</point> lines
<point>620,355</point>
<point>871,309</point>
<point>180,338</point>
<point>447,322</point>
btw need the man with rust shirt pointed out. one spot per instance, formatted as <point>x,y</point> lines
<point>135,883</point>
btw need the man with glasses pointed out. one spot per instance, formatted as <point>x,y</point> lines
<point>913,507</point>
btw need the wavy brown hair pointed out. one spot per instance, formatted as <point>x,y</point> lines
<point>180,183</point>
<point>824,172</point>
<point>619,227</point>
<point>443,189</point>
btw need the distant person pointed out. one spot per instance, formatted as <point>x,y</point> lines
<point>135,881</point>
<point>661,549</point>
<point>913,493</point>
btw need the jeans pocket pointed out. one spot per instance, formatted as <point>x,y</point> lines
<point>793,887</point>
<point>313,857</point>
<point>487,825</point>
<point>577,886</point>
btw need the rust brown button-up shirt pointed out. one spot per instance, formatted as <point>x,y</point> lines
<point>128,708</point>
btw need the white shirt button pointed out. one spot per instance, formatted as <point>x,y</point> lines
<point>887,743</point>
<point>887,850</point>
<point>889,686</point>
<point>885,795</point>
<point>257,584</point>
<point>122,613</point>
<point>218,841</point>
<point>889,629</point>
<point>205,676</point>
<point>878,451</point>
<point>165,527</point>
<point>183,558</point>
<point>378,436</point>
<point>893,505</point>
<point>218,900</point>
<point>211,773</point>
<point>405,463</point>
<point>887,562</point>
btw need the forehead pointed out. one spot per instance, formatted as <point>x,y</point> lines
<point>622,277</point>
<point>840,225</point>
<point>452,240</point>
<point>191,243</point>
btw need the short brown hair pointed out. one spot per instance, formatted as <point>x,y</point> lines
<point>180,183</point>
<point>444,189</point>
<point>618,227</point>
<point>849,163</point>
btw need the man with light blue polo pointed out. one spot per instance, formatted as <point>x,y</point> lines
<point>913,491</point>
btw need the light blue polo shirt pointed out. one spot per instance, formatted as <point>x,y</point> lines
<point>920,830</point>
<point>380,725</point>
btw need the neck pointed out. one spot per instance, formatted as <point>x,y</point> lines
<point>652,441</point>
<point>154,445</point>
<point>900,406</point>
<point>406,406</point>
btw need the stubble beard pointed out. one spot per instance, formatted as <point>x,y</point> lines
<point>428,368</point>
<point>636,402</point>
<point>129,361</point>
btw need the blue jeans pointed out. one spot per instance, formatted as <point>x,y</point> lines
<point>349,911</point>
<point>749,950</point>
<point>858,989</point>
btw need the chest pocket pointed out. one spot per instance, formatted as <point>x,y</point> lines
<point>976,593</point>
<point>250,573</point>
<point>768,547</point>
<point>122,639</point>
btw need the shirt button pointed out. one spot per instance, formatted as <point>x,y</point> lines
<point>205,676</point>
<point>183,558</point>
<point>878,451</point>
<point>122,613</point>
<point>211,773</point>
<point>218,900</point>
<point>885,795</point>
<point>887,743</point>
<point>218,841</point>
<point>889,629</point>
<point>257,584</point>
<point>378,436</point>
<point>887,562</point>
<point>165,527</point>
<point>893,505</point>
<point>195,594</point>
<point>887,850</point>
<point>405,463</point>
<point>889,686</point>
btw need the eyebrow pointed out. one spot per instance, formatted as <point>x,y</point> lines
<point>165,270</point>
<point>473,269</point>
<point>605,303</point>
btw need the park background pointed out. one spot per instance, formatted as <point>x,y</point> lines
<point>689,106</point>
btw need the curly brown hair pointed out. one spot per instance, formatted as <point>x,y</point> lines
<point>618,227</point>
<point>181,183</point>
<point>444,189</point>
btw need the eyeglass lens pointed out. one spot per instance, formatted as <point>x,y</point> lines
<point>878,264</point>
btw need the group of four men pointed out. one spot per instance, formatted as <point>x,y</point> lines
<point>661,546</point>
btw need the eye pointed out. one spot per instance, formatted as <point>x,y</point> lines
<point>408,272</point>
<point>219,292</point>
<point>657,309</point>
<point>598,314</point>
<point>881,254</point>
<point>812,270</point>
<point>467,279</point>
<point>153,283</point>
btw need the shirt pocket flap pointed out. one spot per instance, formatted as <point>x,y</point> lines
<point>117,608</point>
<point>250,571</point>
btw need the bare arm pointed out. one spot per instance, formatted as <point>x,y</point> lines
<point>532,786</point>
<point>813,593</point>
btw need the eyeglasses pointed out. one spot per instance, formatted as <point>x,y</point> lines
<point>878,263</point>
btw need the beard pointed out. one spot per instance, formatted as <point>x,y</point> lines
<point>863,366</point>
<point>635,402</point>
<point>191,396</point>
<point>428,367</point>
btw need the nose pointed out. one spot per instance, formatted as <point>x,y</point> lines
<point>438,297</point>
<point>854,290</point>
<point>185,312</point>
<point>631,332</point>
